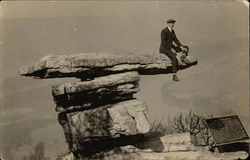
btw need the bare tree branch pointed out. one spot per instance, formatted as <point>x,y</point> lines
<point>192,123</point>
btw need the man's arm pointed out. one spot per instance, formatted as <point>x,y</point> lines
<point>163,36</point>
<point>176,41</point>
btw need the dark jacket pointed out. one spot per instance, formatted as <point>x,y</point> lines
<point>167,39</point>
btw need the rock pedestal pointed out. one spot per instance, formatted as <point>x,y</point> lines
<point>99,112</point>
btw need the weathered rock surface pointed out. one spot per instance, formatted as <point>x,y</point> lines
<point>90,65</point>
<point>90,103</point>
<point>167,143</point>
<point>99,91</point>
<point>93,127</point>
<point>168,147</point>
<point>97,83</point>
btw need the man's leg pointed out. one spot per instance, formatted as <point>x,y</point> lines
<point>174,62</point>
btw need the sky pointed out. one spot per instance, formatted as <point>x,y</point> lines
<point>216,31</point>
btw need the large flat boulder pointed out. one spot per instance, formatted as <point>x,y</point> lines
<point>90,65</point>
<point>109,124</point>
<point>100,82</point>
<point>99,91</point>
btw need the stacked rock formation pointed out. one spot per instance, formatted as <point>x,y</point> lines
<point>99,111</point>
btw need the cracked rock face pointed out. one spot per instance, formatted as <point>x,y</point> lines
<point>125,118</point>
<point>90,65</point>
<point>101,112</point>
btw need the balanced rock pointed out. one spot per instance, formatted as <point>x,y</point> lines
<point>90,65</point>
<point>99,112</point>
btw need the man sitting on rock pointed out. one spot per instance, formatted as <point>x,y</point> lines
<point>169,48</point>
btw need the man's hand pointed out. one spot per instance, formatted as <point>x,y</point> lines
<point>182,48</point>
<point>173,50</point>
<point>184,55</point>
<point>185,48</point>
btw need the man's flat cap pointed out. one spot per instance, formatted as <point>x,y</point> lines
<point>171,21</point>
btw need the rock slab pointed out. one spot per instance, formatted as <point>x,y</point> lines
<point>90,65</point>
<point>96,92</point>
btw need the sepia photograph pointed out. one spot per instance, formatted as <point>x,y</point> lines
<point>124,80</point>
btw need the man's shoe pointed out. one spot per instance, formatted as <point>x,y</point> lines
<point>175,78</point>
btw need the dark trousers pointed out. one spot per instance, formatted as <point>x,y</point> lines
<point>172,56</point>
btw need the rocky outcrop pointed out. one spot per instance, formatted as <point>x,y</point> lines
<point>99,91</point>
<point>168,147</point>
<point>167,143</point>
<point>147,144</point>
<point>91,65</point>
<point>99,112</point>
<point>109,123</point>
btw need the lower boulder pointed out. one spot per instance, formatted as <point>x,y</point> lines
<point>154,147</point>
<point>150,146</point>
<point>92,130</point>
